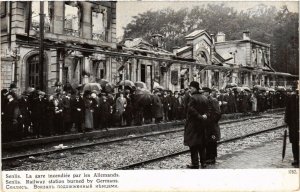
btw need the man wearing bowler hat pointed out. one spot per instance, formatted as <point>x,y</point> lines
<point>194,130</point>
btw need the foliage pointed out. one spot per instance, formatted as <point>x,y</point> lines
<point>266,24</point>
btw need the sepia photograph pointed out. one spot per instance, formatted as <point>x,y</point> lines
<point>95,93</point>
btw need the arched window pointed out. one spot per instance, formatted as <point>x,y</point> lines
<point>33,71</point>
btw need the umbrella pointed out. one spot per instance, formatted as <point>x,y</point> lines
<point>127,83</point>
<point>271,89</point>
<point>230,85</point>
<point>246,89</point>
<point>109,88</point>
<point>284,144</point>
<point>92,87</point>
<point>238,89</point>
<point>140,84</point>
<point>259,87</point>
<point>157,86</point>
<point>142,97</point>
<point>280,88</point>
<point>142,92</point>
<point>103,82</point>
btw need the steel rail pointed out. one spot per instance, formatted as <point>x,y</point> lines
<point>11,158</point>
<point>141,163</point>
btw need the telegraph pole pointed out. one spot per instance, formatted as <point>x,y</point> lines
<point>41,53</point>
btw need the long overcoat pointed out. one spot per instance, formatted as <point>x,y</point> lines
<point>292,117</point>
<point>67,109</point>
<point>253,101</point>
<point>11,115</point>
<point>88,113</point>
<point>194,130</point>
<point>77,109</point>
<point>231,103</point>
<point>214,115</point>
<point>157,106</point>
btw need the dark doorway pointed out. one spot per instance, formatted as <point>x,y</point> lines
<point>143,73</point>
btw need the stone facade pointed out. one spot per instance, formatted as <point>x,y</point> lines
<point>60,64</point>
<point>245,62</point>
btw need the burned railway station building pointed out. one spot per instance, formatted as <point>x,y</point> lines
<point>80,46</point>
<point>78,25</point>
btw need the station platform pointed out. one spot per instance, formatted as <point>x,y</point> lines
<point>264,156</point>
<point>118,131</point>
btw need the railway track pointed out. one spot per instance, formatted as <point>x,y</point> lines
<point>156,159</point>
<point>86,145</point>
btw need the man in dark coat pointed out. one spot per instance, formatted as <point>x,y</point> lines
<point>25,114</point>
<point>231,102</point>
<point>175,106</point>
<point>194,130</point>
<point>157,107</point>
<point>77,104</point>
<point>38,113</point>
<point>67,113</point>
<point>10,119</point>
<point>292,120</point>
<point>166,105</point>
<point>213,130</point>
<point>105,111</point>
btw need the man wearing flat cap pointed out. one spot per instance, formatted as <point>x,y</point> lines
<point>212,129</point>
<point>194,131</point>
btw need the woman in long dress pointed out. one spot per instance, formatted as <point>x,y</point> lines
<point>121,103</point>
<point>89,110</point>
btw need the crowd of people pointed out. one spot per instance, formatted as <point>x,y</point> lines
<point>36,114</point>
<point>202,130</point>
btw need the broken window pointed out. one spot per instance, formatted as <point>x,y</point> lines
<point>99,23</point>
<point>35,16</point>
<point>72,19</point>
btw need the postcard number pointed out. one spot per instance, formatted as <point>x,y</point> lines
<point>292,171</point>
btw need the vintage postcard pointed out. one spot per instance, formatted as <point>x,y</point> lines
<point>150,95</point>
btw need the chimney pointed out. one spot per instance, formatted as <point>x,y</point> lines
<point>246,35</point>
<point>220,37</point>
<point>157,40</point>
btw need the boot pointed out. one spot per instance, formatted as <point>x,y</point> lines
<point>192,166</point>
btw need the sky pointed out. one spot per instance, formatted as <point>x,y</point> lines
<point>127,9</point>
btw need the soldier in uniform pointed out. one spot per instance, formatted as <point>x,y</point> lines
<point>213,130</point>
<point>194,130</point>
